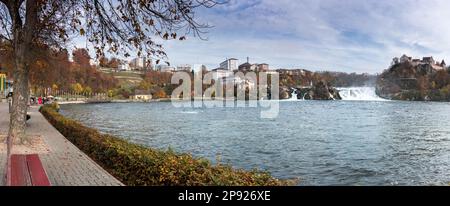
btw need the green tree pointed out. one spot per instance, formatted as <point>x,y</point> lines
<point>110,93</point>
<point>55,87</point>
<point>77,88</point>
<point>87,90</point>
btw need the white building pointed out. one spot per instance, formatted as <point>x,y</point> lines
<point>93,62</point>
<point>198,68</point>
<point>141,63</point>
<point>229,64</point>
<point>124,67</point>
<point>272,72</point>
<point>184,67</point>
<point>221,73</point>
<point>165,68</point>
<point>405,58</point>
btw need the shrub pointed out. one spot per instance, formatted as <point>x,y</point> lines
<point>412,95</point>
<point>159,93</point>
<point>137,165</point>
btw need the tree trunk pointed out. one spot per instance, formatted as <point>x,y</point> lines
<point>22,38</point>
<point>18,116</point>
<point>20,99</point>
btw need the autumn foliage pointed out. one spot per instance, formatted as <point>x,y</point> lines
<point>52,70</point>
<point>109,63</point>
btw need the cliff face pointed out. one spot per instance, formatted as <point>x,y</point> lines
<point>321,90</point>
<point>414,82</point>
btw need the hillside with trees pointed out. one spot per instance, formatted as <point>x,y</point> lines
<point>52,69</point>
<point>301,77</point>
<point>415,80</point>
<point>114,27</point>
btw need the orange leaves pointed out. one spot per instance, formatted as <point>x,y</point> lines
<point>82,32</point>
<point>149,22</point>
<point>166,36</point>
<point>40,64</point>
<point>172,36</point>
<point>81,57</point>
<point>159,94</point>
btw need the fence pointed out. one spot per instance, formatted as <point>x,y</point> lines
<point>65,96</point>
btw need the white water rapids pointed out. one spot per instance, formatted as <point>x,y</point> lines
<point>349,94</point>
<point>359,94</point>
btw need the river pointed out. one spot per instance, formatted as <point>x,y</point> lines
<point>321,142</point>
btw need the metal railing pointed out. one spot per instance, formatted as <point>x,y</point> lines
<point>69,96</point>
<point>9,104</point>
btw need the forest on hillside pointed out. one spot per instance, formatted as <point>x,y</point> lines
<point>300,77</point>
<point>53,69</point>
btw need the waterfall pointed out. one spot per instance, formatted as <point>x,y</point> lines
<point>359,94</point>
<point>304,95</point>
<point>294,95</point>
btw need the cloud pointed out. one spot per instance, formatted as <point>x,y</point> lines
<point>351,35</point>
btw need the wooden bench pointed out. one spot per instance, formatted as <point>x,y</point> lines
<point>26,170</point>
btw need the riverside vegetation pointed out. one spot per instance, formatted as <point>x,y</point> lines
<point>137,165</point>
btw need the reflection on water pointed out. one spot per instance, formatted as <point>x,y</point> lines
<point>323,143</point>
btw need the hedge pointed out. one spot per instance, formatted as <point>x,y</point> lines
<point>136,165</point>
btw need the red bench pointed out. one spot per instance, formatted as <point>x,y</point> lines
<point>26,170</point>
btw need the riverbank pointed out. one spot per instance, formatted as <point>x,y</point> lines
<point>64,163</point>
<point>111,101</point>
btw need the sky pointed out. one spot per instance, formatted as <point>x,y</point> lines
<point>337,35</point>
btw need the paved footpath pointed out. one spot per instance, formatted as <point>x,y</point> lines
<point>65,164</point>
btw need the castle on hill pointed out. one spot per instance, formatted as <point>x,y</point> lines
<point>415,62</point>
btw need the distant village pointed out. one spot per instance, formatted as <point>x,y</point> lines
<point>224,69</point>
<point>229,65</point>
<point>224,72</point>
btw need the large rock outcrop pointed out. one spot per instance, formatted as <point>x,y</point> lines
<point>285,93</point>
<point>319,91</point>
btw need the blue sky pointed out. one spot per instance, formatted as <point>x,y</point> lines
<point>339,35</point>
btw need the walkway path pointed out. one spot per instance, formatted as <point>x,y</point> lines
<point>65,164</point>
